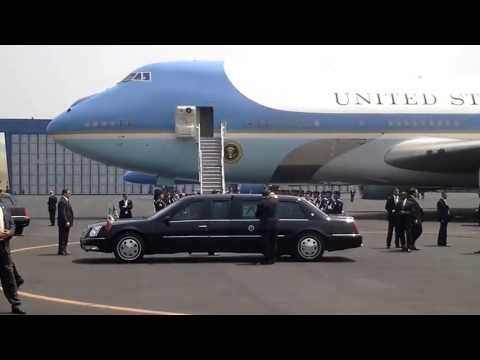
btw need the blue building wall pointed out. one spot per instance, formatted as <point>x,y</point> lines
<point>36,164</point>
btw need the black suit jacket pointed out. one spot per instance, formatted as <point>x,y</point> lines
<point>65,213</point>
<point>390,204</point>
<point>443,210</point>
<point>267,210</point>
<point>52,203</point>
<point>125,212</point>
<point>5,244</point>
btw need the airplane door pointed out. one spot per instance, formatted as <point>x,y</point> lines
<point>206,121</point>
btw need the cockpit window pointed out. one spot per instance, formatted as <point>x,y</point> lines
<point>138,76</point>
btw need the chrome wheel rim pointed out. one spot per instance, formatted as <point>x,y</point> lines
<point>129,248</point>
<point>309,247</point>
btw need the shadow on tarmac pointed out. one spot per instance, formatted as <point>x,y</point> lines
<point>239,260</point>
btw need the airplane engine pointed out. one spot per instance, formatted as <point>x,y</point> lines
<point>140,178</point>
<point>375,192</point>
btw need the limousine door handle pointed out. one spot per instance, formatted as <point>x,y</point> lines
<point>203,226</point>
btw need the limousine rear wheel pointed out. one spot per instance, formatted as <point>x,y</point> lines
<point>129,247</point>
<point>309,247</point>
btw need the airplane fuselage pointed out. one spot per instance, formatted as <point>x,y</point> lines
<point>132,126</point>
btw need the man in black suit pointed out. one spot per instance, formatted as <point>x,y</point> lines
<point>64,221</point>
<point>52,207</point>
<point>267,213</point>
<point>9,276</point>
<point>443,213</point>
<point>392,217</point>
<point>125,206</point>
<point>417,214</point>
<point>335,206</point>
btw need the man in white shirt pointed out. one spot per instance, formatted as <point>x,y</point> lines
<point>9,276</point>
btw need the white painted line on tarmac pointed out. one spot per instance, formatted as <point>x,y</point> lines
<point>82,303</point>
<point>40,247</point>
<point>94,305</point>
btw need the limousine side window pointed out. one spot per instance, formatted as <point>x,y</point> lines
<point>290,210</point>
<point>220,209</point>
<point>248,209</point>
<point>193,211</point>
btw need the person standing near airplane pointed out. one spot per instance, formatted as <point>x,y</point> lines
<point>404,228</point>
<point>267,213</point>
<point>335,205</point>
<point>392,217</point>
<point>9,277</point>
<point>64,221</point>
<point>443,213</point>
<point>125,206</point>
<point>417,215</point>
<point>52,207</point>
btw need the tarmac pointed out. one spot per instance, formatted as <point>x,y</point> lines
<point>367,280</point>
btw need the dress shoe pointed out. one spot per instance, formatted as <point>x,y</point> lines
<point>17,310</point>
<point>65,253</point>
<point>388,246</point>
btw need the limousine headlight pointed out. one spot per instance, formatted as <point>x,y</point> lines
<point>94,230</point>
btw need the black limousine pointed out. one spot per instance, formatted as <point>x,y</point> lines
<point>223,223</point>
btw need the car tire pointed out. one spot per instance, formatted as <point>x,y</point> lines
<point>309,247</point>
<point>129,248</point>
<point>19,230</point>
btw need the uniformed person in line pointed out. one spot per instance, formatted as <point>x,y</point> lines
<point>326,199</point>
<point>64,221</point>
<point>392,217</point>
<point>125,207</point>
<point>417,213</point>
<point>352,195</point>
<point>52,207</point>
<point>443,213</point>
<point>335,206</point>
<point>267,213</point>
<point>9,276</point>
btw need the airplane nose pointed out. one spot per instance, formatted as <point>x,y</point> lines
<point>55,125</point>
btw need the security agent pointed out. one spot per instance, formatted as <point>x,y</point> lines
<point>326,200</point>
<point>52,207</point>
<point>443,213</point>
<point>417,213</point>
<point>409,214</point>
<point>125,207</point>
<point>9,276</point>
<point>335,205</point>
<point>267,213</point>
<point>392,217</point>
<point>64,221</point>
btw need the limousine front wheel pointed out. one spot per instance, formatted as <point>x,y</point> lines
<point>310,247</point>
<point>129,247</point>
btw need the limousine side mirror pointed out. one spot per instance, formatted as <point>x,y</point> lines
<point>167,220</point>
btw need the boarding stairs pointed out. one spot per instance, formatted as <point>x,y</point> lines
<point>211,163</point>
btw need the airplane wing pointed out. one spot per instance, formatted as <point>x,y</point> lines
<point>436,155</point>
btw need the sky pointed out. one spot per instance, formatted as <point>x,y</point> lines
<point>42,81</point>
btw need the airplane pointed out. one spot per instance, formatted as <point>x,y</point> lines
<point>282,128</point>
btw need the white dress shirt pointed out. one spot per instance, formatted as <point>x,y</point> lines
<point>2,224</point>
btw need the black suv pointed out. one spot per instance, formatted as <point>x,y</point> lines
<point>223,223</point>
